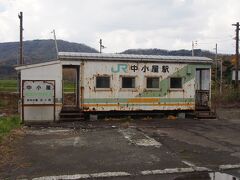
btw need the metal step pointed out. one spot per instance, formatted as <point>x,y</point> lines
<point>72,119</point>
<point>71,114</point>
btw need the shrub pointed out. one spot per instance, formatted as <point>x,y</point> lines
<point>7,124</point>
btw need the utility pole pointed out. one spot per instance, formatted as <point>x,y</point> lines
<point>101,46</point>
<point>192,48</point>
<point>55,40</point>
<point>237,54</point>
<point>221,75</point>
<point>193,44</point>
<point>216,64</point>
<point>21,60</point>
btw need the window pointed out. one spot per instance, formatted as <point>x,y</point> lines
<point>152,82</point>
<point>128,82</point>
<point>102,82</point>
<point>176,83</point>
<point>203,79</point>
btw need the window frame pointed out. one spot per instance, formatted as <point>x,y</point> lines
<point>128,89</point>
<point>146,77</point>
<point>176,88</point>
<point>102,89</point>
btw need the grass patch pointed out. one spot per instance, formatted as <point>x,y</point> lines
<point>229,96</point>
<point>7,124</point>
<point>8,85</point>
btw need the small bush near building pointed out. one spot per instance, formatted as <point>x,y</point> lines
<point>229,96</point>
<point>7,124</point>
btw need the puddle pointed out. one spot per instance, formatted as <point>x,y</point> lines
<point>207,176</point>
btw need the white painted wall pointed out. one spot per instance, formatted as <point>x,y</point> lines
<point>48,72</point>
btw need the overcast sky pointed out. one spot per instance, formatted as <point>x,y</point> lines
<point>125,24</point>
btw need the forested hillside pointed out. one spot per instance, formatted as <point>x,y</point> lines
<point>34,51</point>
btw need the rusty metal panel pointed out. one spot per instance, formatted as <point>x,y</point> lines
<point>138,98</point>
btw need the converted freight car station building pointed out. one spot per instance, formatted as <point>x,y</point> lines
<point>114,82</point>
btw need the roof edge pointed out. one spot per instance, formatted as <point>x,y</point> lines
<point>27,66</point>
<point>130,57</point>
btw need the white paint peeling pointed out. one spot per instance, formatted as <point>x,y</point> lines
<point>139,138</point>
<point>201,169</point>
<point>148,142</point>
<point>47,131</point>
<point>145,172</point>
<point>198,169</point>
<point>167,171</point>
<point>109,174</point>
<point>229,166</point>
<point>188,163</point>
<point>84,176</point>
<point>75,176</point>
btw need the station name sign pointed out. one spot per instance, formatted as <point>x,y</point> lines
<point>38,92</point>
<point>144,68</point>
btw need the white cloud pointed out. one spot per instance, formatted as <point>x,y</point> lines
<point>123,24</point>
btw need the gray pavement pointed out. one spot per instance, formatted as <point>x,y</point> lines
<point>152,149</point>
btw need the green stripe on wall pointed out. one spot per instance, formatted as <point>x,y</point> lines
<point>125,100</point>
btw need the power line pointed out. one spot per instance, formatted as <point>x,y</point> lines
<point>219,37</point>
<point>224,40</point>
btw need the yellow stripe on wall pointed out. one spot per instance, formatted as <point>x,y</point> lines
<point>143,100</point>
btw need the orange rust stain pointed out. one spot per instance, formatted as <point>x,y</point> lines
<point>143,100</point>
<point>90,105</point>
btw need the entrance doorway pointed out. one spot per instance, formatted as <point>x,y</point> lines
<point>202,88</point>
<point>70,87</point>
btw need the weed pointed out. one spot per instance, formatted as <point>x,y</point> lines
<point>229,95</point>
<point>7,124</point>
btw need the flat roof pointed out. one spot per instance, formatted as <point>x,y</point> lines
<point>131,57</point>
<point>68,56</point>
<point>27,66</point>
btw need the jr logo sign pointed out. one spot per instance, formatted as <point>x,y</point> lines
<point>119,68</point>
<point>154,68</point>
